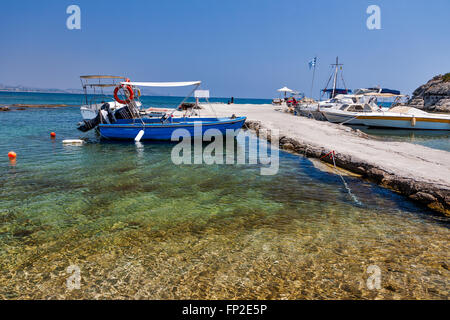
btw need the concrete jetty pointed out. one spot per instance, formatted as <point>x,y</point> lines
<point>418,172</point>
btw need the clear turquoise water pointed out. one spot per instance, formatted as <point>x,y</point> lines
<point>139,226</point>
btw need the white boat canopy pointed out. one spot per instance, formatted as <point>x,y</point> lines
<point>162,84</point>
<point>285,89</point>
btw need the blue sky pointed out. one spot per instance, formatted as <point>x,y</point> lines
<point>240,48</point>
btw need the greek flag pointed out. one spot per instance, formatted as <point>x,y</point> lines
<point>312,63</point>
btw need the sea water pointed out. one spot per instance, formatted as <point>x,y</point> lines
<point>127,223</point>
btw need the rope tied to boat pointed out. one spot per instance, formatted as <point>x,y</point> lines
<point>344,122</point>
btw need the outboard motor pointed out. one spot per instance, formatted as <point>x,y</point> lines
<point>103,116</point>
<point>87,125</point>
<point>109,115</point>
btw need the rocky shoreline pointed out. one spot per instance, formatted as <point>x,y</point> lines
<point>39,105</point>
<point>434,96</point>
<point>14,107</point>
<point>428,194</point>
<point>421,174</point>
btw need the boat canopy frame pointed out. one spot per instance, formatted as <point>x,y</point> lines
<point>97,84</point>
<point>166,118</point>
<point>101,77</point>
<point>163,84</point>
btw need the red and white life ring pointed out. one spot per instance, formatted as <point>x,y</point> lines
<point>130,93</point>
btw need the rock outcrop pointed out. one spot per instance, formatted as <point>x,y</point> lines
<point>433,96</point>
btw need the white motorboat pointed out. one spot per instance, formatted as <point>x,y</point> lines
<point>313,110</point>
<point>366,101</point>
<point>404,117</point>
<point>350,113</point>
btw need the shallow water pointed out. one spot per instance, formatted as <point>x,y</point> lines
<point>138,226</point>
<point>429,138</point>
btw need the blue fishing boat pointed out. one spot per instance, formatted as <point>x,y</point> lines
<point>155,129</point>
<point>125,119</point>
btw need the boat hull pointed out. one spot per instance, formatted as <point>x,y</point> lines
<point>310,112</point>
<point>155,130</point>
<point>88,113</point>
<point>336,117</point>
<point>406,122</point>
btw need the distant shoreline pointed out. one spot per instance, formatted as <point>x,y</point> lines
<point>144,95</point>
<point>37,91</point>
<point>47,106</point>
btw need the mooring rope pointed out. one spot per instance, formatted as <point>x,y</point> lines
<point>349,190</point>
<point>332,155</point>
<point>355,117</point>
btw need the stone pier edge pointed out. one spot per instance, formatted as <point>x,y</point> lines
<point>435,197</point>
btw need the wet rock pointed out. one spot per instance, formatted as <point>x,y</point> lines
<point>447,200</point>
<point>376,174</point>
<point>407,186</point>
<point>289,146</point>
<point>361,169</point>
<point>423,197</point>
<point>5,108</point>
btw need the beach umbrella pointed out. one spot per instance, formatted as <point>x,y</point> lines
<point>285,90</point>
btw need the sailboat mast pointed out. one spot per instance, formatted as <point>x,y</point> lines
<point>314,73</point>
<point>335,77</point>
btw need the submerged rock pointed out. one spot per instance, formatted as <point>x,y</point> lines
<point>434,95</point>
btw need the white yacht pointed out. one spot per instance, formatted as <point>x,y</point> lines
<point>404,117</point>
<point>313,110</point>
<point>349,113</point>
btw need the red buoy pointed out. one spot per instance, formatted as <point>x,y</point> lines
<point>12,155</point>
<point>52,134</point>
